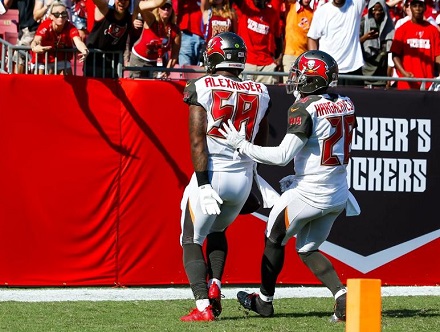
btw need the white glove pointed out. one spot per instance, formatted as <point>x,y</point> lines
<point>209,200</point>
<point>286,182</point>
<point>234,138</point>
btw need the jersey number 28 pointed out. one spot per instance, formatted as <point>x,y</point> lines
<point>344,126</point>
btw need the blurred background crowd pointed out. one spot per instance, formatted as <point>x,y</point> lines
<point>373,41</point>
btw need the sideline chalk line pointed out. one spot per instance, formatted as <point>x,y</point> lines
<point>175,293</point>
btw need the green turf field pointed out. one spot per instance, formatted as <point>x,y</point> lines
<point>399,313</point>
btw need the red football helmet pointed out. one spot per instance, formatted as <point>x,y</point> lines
<point>225,50</point>
<point>313,71</point>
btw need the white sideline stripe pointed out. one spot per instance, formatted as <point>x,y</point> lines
<point>148,294</point>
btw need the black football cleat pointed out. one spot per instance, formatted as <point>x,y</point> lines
<point>340,309</point>
<point>254,303</point>
<point>215,298</point>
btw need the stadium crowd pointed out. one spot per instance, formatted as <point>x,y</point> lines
<point>383,38</point>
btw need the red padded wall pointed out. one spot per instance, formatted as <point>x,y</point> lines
<point>91,177</point>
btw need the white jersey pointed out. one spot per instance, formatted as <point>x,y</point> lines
<point>223,98</point>
<point>320,166</point>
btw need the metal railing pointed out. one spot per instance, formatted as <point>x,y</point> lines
<point>114,59</point>
<point>245,74</point>
<point>100,59</point>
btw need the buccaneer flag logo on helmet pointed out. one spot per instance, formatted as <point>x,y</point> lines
<point>312,72</point>
<point>313,67</point>
<point>215,46</point>
<point>225,50</point>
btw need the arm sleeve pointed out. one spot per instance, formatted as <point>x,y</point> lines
<point>190,93</point>
<point>275,155</point>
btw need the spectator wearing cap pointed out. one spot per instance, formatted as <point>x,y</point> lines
<point>408,14</point>
<point>398,24</point>
<point>335,30</point>
<point>416,48</point>
<point>159,43</point>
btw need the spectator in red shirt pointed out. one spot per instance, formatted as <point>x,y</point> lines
<point>189,20</point>
<point>416,48</point>
<point>259,26</point>
<point>53,35</point>
<point>159,44</point>
<point>218,16</point>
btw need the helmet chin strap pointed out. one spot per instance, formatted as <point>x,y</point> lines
<point>297,95</point>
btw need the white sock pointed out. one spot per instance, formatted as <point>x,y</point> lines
<point>340,292</point>
<point>215,281</point>
<point>202,304</point>
<point>266,298</point>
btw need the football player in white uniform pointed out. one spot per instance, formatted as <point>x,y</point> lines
<point>221,182</point>
<point>318,139</point>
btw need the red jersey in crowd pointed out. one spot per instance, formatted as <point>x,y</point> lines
<point>155,42</point>
<point>217,24</point>
<point>258,28</point>
<point>417,45</point>
<point>189,17</point>
<point>61,40</point>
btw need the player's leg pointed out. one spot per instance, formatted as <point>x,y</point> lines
<point>272,261</point>
<point>216,252</point>
<point>309,239</point>
<point>195,227</point>
<point>234,188</point>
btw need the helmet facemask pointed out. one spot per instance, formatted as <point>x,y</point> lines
<point>295,80</point>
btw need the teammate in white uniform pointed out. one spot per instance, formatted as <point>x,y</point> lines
<point>221,183</point>
<point>318,138</point>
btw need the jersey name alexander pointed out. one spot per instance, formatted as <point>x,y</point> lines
<point>217,82</point>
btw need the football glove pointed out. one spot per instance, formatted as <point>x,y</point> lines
<point>234,138</point>
<point>286,182</point>
<point>209,200</point>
